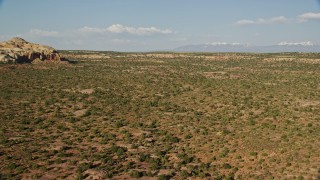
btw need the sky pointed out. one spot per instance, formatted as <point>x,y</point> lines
<point>147,25</point>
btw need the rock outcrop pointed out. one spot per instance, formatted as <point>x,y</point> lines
<point>17,50</point>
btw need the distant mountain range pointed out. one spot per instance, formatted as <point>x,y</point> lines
<point>235,47</point>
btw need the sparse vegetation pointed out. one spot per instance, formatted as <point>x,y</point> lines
<point>132,115</point>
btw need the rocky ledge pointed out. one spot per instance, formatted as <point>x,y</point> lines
<point>17,50</point>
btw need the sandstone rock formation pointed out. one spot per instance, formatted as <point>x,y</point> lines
<point>17,50</point>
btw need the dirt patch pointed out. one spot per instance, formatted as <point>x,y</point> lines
<point>87,91</point>
<point>83,91</point>
<point>307,103</point>
<point>80,113</point>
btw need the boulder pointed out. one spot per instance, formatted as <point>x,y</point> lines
<point>17,50</point>
<point>6,59</point>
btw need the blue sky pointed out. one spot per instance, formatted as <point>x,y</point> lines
<point>143,25</point>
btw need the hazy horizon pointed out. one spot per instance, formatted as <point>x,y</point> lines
<point>145,25</point>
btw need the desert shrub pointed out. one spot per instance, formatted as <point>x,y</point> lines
<point>136,174</point>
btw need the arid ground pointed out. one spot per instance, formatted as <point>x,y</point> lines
<point>162,115</point>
